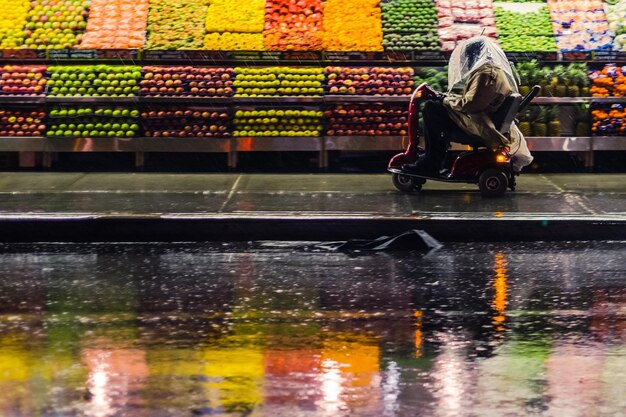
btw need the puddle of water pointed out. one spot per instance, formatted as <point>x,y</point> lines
<point>272,330</point>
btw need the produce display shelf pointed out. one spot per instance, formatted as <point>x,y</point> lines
<point>22,100</point>
<point>222,101</point>
<point>278,99</point>
<point>366,99</point>
<point>609,143</point>
<point>281,143</point>
<point>560,143</point>
<point>92,100</point>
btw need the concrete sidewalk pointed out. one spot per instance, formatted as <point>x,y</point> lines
<point>181,207</point>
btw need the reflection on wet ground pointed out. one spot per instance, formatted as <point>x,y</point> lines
<point>275,330</point>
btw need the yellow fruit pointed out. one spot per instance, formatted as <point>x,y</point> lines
<point>241,16</point>
<point>13,15</point>
<point>352,25</point>
<point>234,41</point>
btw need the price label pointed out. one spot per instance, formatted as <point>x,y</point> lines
<point>19,54</point>
<point>351,56</point>
<point>302,55</point>
<point>117,53</point>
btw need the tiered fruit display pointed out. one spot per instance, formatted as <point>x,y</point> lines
<point>187,81</point>
<point>22,122</point>
<point>616,16</point>
<point>528,31</point>
<point>436,78</point>
<point>57,24</point>
<point>94,81</point>
<point>116,24</point>
<point>580,25</point>
<point>93,121</point>
<point>176,24</point>
<point>460,20</point>
<point>371,119</point>
<point>22,80</point>
<point>278,122</point>
<point>610,81</point>
<point>278,81</point>
<point>180,122</point>
<point>608,120</point>
<point>560,81</point>
<point>375,81</point>
<point>352,25</point>
<point>235,25</point>
<point>293,26</point>
<point>13,15</point>
<point>410,25</point>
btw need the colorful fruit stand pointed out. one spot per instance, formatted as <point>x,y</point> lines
<point>232,76</point>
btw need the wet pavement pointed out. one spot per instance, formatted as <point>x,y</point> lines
<point>155,207</point>
<point>281,329</point>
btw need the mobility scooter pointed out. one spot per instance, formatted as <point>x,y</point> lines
<point>491,170</point>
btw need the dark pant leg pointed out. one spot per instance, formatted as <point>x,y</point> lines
<point>436,123</point>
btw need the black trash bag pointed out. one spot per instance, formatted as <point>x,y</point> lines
<point>412,240</point>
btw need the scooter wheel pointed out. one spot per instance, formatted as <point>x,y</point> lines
<point>406,183</point>
<point>493,183</point>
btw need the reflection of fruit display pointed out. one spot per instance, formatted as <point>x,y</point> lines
<point>179,122</point>
<point>377,81</point>
<point>21,122</point>
<point>580,25</point>
<point>116,24</point>
<point>176,24</point>
<point>437,78</point>
<point>278,81</point>
<point>371,119</point>
<point>22,80</point>
<point>94,80</point>
<point>409,25</point>
<point>13,14</point>
<point>459,20</point>
<point>610,81</point>
<point>278,122</point>
<point>291,25</point>
<point>187,82</point>
<point>525,32</point>
<point>352,25</point>
<point>235,25</point>
<point>56,24</point>
<point>93,122</point>
<point>608,120</point>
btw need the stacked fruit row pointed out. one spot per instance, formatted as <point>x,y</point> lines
<point>608,120</point>
<point>180,122</point>
<point>56,24</point>
<point>616,16</point>
<point>540,121</point>
<point>13,15</point>
<point>278,81</point>
<point>436,78</point>
<point>21,122</point>
<point>558,81</point>
<point>610,81</point>
<point>235,25</point>
<point>376,81</point>
<point>274,122</point>
<point>176,24</point>
<point>22,80</point>
<point>352,25</point>
<point>93,122</point>
<point>187,82</point>
<point>459,20</point>
<point>371,119</point>
<point>116,24</point>
<point>93,81</point>
<point>580,25</point>
<point>527,31</point>
<point>293,25</point>
<point>410,25</point>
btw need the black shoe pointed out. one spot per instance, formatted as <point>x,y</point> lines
<point>423,167</point>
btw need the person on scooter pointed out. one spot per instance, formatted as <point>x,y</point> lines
<point>479,80</point>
